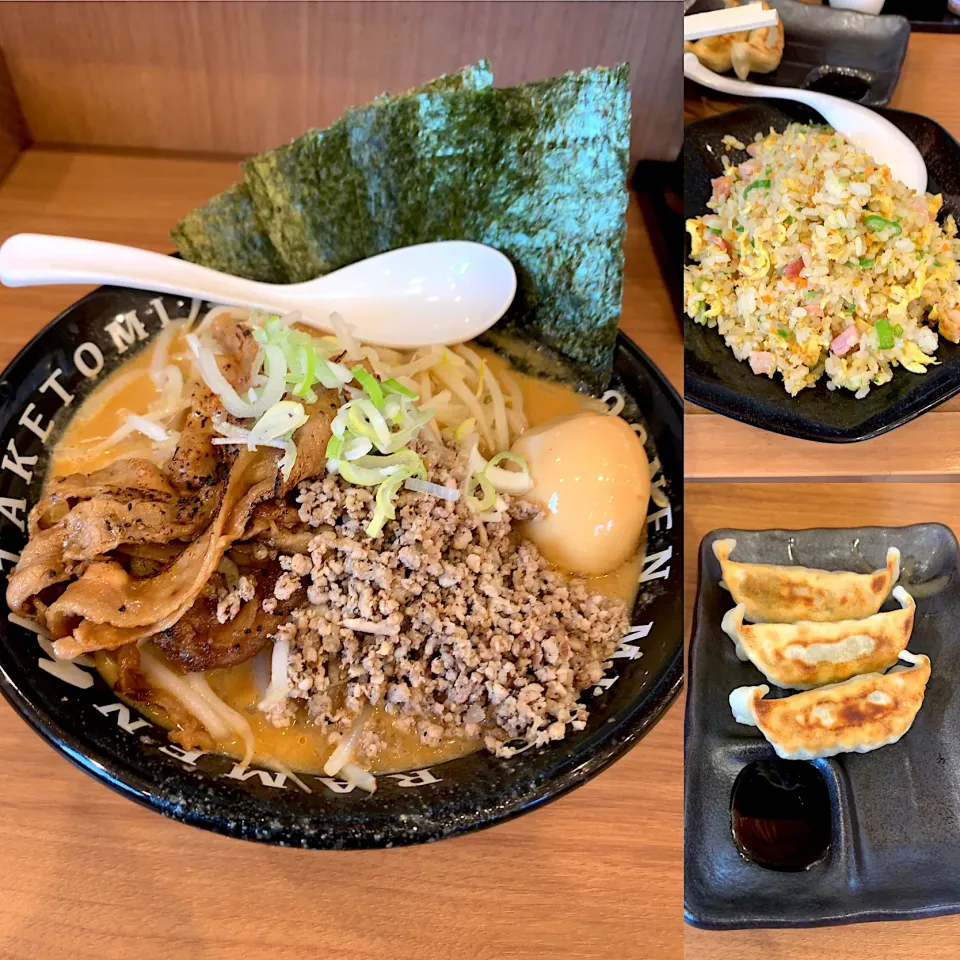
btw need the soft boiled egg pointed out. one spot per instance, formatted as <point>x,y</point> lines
<point>591,475</point>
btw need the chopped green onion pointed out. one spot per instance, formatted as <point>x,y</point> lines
<point>395,386</point>
<point>369,385</point>
<point>877,223</point>
<point>884,333</point>
<point>898,331</point>
<point>356,447</point>
<point>334,446</point>
<point>365,420</point>
<point>937,263</point>
<point>783,333</point>
<point>402,437</point>
<point>768,171</point>
<point>308,359</point>
<point>738,229</point>
<point>506,455</point>
<point>280,420</point>
<point>867,263</point>
<point>489,493</point>
<point>715,232</point>
<point>331,374</point>
<point>365,476</point>
<point>393,409</point>
<point>765,184</point>
<point>789,220</point>
<point>402,458</point>
<point>384,509</point>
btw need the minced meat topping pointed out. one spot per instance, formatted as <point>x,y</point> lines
<point>450,622</point>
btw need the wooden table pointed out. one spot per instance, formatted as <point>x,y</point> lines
<point>88,874</point>
<point>764,505</point>
<point>718,448</point>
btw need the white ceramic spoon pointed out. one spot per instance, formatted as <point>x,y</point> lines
<point>445,292</point>
<point>874,134</point>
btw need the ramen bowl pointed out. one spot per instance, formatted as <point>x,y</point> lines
<point>77,712</point>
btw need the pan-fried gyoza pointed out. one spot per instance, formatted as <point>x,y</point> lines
<point>783,594</point>
<point>323,555</point>
<point>856,716</point>
<point>810,654</point>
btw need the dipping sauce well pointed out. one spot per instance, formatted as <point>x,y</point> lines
<point>780,814</point>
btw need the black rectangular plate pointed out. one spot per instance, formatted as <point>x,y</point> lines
<point>715,379</point>
<point>849,54</point>
<point>895,851</point>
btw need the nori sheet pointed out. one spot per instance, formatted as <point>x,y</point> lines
<point>227,235</point>
<point>537,171</point>
<point>309,192</point>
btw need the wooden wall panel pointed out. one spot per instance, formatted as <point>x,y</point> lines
<point>235,78</point>
<point>13,129</point>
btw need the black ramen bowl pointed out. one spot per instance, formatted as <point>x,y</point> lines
<point>715,379</point>
<point>72,708</point>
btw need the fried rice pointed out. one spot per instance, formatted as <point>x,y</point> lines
<point>815,261</point>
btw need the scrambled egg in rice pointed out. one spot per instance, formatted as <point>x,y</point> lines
<point>816,261</point>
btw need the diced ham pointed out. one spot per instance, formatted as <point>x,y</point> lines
<point>748,168</point>
<point>717,241</point>
<point>814,310</point>
<point>845,341</point>
<point>754,148</point>
<point>721,187</point>
<point>792,270</point>
<point>762,361</point>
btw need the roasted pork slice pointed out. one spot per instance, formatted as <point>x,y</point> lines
<point>311,440</point>
<point>115,608</point>
<point>81,518</point>
<point>226,625</point>
<point>197,464</point>
<point>123,480</point>
<point>238,350</point>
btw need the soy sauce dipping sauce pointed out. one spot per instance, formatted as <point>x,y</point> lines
<point>780,814</point>
<point>850,87</point>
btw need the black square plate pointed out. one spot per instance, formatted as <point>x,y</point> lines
<point>895,812</point>
<point>852,55</point>
<point>715,379</point>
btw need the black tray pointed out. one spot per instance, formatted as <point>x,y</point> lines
<point>895,812</point>
<point>852,55</point>
<point>715,379</point>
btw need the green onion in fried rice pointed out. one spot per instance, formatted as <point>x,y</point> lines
<point>815,262</point>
